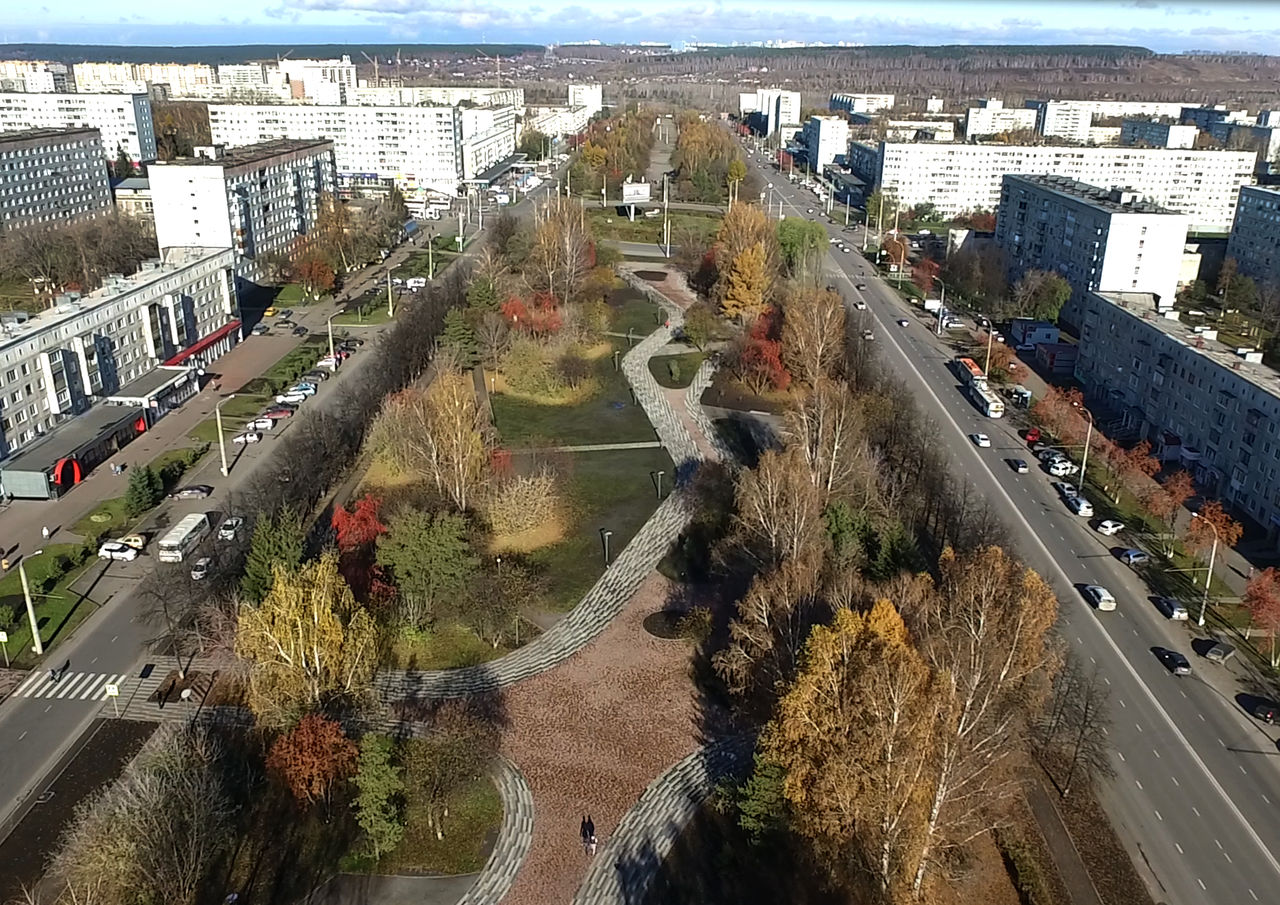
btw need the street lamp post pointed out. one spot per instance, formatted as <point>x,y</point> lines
<point>329,325</point>
<point>1084,460</point>
<point>37,646</point>
<point>1208,578</point>
<point>606,535</point>
<point>991,332</point>
<point>217,414</point>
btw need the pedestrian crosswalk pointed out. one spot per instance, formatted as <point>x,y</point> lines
<point>77,686</point>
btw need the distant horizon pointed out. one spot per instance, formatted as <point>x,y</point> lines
<point>1162,26</point>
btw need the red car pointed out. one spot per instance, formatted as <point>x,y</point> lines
<point>277,414</point>
<point>1033,435</point>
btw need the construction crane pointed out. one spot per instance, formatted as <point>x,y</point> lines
<point>497,65</point>
<point>374,61</point>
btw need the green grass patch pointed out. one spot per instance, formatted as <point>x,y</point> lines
<point>235,414</point>
<point>611,491</point>
<point>676,372</point>
<point>367,311</point>
<point>58,608</point>
<point>109,518</point>
<point>630,311</point>
<point>448,646</point>
<point>290,294</point>
<point>609,416</point>
<point>417,264</point>
<point>287,369</point>
<point>475,813</point>
<point>606,223</point>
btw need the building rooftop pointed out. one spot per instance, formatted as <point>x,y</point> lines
<point>1246,361</point>
<point>69,438</point>
<point>221,156</point>
<point>132,184</point>
<point>1112,200</point>
<point>47,134</point>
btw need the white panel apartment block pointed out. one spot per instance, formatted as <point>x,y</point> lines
<point>123,119</point>
<point>1255,235</point>
<point>55,363</point>
<point>964,177</point>
<point>51,176</point>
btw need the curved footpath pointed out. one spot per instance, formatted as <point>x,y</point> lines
<point>625,866</point>
<point>514,838</point>
<point>610,594</point>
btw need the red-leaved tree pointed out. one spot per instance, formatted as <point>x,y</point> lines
<point>1262,597</point>
<point>310,758</point>
<point>1211,522</point>
<point>925,274</point>
<point>359,526</point>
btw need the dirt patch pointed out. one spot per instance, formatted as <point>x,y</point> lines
<point>384,479</point>
<point>549,532</point>
<point>664,625</point>
<point>727,392</point>
<point>1105,857</point>
<point>651,276</point>
<point>192,686</point>
<point>228,690</point>
<point>569,396</point>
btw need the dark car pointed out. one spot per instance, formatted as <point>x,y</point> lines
<point>861,287</point>
<point>317,374</point>
<point>1175,662</point>
<point>284,324</point>
<point>282,406</point>
<point>1266,711</point>
<point>1018,465</point>
<point>191,492</point>
<point>299,331</point>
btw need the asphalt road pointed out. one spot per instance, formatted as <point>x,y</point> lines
<point>43,719</point>
<point>1197,781</point>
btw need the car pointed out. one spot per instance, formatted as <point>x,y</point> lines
<point>903,322</point>
<point>868,335</point>
<point>1061,468</point>
<point>845,248</point>
<point>260,330</point>
<point>330,363</point>
<point>114,550</point>
<point>230,527</point>
<point>1173,661</point>
<point>861,287</point>
<point>860,305</point>
<point>260,424</point>
<point>1080,506</point>
<point>1100,597</point>
<point>137,541</point>
<point>316,374</point>
<point>809,210</point>
<point>1172,609</point>
<point>246,438</point>
<point>192,492</point>
<point>284,324</point>
<point>291,398</point>
<point>1024,347</point>
<point>306,389</point>
<point>299,330</point>
<point>1109,527</point>
<point>285,312</point>
<point>275,414</point>
<point>1219,652</point>
<point>981,440</point>
<point>200,569</point>
<point>834,239</point>
<point>1018,465</point>
<point>1267,711</point>
<point>1134,557</point>
<point>1065,490</point>
<point>1048,454</point>
<point>271,311</point>
<point>354,340</point>
<point>1033,435</point>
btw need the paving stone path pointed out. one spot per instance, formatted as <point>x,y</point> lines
<point>514,838</point>
<point>610,594</point>
<point>627,862</point>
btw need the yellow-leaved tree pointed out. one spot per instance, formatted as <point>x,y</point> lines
<point>307,644</point>
<point>745,285</point>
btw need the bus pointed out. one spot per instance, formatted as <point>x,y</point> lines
<point>985,398</point>
<point>184,537</point>
<point>969,371</point>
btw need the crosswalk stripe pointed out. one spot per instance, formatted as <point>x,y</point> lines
<point>38,688</point>
<point>81,686</point>
<point>35,674</point>
<point>92,685</point>
<point>72,685</point>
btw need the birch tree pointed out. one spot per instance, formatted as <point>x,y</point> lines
<point>778,508</point>
<point>824,432</point>
<point>813,334</point>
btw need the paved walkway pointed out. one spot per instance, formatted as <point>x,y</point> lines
<point>627,862</point>
<point>1071,868</point>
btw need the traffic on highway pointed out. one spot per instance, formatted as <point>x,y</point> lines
<point>1197,784</point>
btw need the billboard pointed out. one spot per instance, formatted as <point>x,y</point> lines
<point>635,192</point>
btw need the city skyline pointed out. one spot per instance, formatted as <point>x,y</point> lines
<point>1166,26</point>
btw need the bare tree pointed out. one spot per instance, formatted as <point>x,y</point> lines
<point>824,431</point>
<point>813,334</point>
<point>1071,735</point>
<point>779,513</point>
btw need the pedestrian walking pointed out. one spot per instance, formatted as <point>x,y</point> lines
<point>589,835</point>
<point>591,846</point>
<point>44,533</point>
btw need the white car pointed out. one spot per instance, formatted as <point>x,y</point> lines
<point>246,438</point>
<point>292,398</point>
<point>1061,468</point>
<point>229,528</point>
<point>1172,609</point>
<point>981,440</point>
<point>1100,597</point>
<point>1109,527</point>
<point>261,424</point>
<point>860,305</point>
<point>305,389</point>
<point>200,570</point>
<point>903,322</point>
<point>114,550</point>
<point>1080,506</point>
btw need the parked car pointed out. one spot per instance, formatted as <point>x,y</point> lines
<point>230,527</point>
<point>291,398</point>
<point>200,570</point>
<point>137,541</point>
<point>1267,711</point>
<point>981,440</point>
<point>316,375</point>
<point>261,424</point>
<point>285,312</point>
<point>1080,506</point>
<point>306,389</point>
<point>1109,527</point>
<point>1219,652</point>
<point>192,492</point>
<point>1033,435</point>
<point>284,324</point>
<point>271,311</point>
<point>1100,597</point>
<point>1172,609</point>
<point>1018,465</point>
<point>1175,662</point>
<point>1134,557</point>
<point>299,330</point>
<point>275,414</point>
<point>1048,454</point>
<point>1061,468</point>
<point>246,438</point>
<point>114,550</point>
<point>330,363</point>
<point>260,330</point>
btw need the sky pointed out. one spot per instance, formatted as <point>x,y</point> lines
<point>1161,25</point>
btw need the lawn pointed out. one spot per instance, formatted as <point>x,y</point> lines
<point>290,294</point>
<point>58,608</point>
<point>475,813</point>
<point>614,491</point>
<point>449,646</point>
<point>416,264</point>
<point>109,518</point>
<point>235,414</point>
<point>606,223</point>
<point>676,372</point>
<point>369,310</point>
<point>610,416</point>
<point>631,311</point>
<point>292,365</point>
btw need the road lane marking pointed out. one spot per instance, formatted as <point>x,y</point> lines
<point>24,735</point>
<point>1155,752</point>
<point>1255,896</point>
<point>1193,808</point>
<point>1202,886</point>
<point>92,685</point>
<point>1218,844</point>
<point>1105,679</point>
<point>1120,754</point>
<point>1243,770</point>
<point>1179,848</point>
<point>1138,726</point>
<point>1158,817</point>
<point>1265,798</point>
<point>1138,783</point>
<point>1175,781</point>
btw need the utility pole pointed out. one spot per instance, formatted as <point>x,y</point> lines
<point>666,221</point>
<point>846,212</point>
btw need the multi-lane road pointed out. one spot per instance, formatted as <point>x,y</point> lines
<point>1196,795</point>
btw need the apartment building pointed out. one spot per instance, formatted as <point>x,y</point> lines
<point>1203,118</point>
<point>123,120</point>
<point>843,102</point>
<point>35,75</point>
<point>107,78</point>
<point>1262,140</point>
<point>1098,239</point>
<point>825,138</point>
<point>321,81</point>
<point>1211,407</point>
<point>437,96</point>
<point>910,129</point>
<point>557,121</point>
<point>260,200</point>
<point>773,108</point>
<point>1073,120</point>
<point>961,178</point>
<point>50,176</point>
<point>1255,234</point>
<point>589,96</point>
<point>991,117</point>
<point>81,378</point>
<point>1155,134</point>
<point>133,199</point>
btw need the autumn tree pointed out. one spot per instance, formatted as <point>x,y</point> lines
<point>854,735</point>
<point>984,634</point>
<point>743,228</point>
<point>562,253</point>
<point>744,286</point>
<point>699,325</point>
<point>813,330</point>
<point>441,433</point>
<point>1262,599</point>
<point>311,758</point>
<point>824,432</point>
<point>925,274</point>
<point>1040,294</point>
<point>1211,523</point>
<point>315,275</point>
<point>778,509</point>
<point>360,525</point>
<point>307,645</point>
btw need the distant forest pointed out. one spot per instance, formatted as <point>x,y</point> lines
<point>247,53</point>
